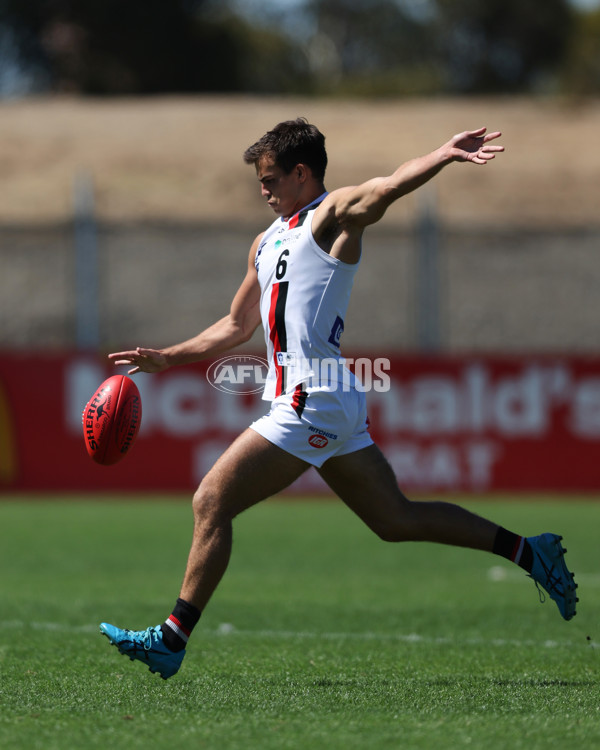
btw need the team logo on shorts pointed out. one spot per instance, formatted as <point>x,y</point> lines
<point>318,441</point>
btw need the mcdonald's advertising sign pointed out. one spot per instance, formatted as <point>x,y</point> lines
<point>457,424</point>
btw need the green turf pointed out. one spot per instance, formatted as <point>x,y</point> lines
<point>320,636</point>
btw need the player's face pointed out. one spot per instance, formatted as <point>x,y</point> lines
<point>282,191</point>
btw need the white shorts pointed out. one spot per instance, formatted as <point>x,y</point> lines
<point>317,423</point>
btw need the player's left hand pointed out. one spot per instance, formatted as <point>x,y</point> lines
<point>472,145</point>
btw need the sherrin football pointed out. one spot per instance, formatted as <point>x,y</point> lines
<point>111,420</point>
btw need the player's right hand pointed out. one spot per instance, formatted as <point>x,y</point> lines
<point>144,360</point>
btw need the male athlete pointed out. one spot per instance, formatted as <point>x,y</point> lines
<point>298,283</point>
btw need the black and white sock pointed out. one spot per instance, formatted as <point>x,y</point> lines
<point>178,626</point>
<point>514,548</point>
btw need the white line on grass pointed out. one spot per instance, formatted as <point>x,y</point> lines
<point>226,629</point>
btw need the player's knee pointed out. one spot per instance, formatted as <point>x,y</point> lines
<point>206,502</point>
<point>199,500</point>
<point>397,527</point>
<point>389,535</point>
<point>391,532</point>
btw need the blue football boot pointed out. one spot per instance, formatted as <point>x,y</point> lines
<point>550,572</point>
<point>146,646</point>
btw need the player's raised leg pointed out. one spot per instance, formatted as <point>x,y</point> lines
<point>366,483</point>
<point>249,471</point>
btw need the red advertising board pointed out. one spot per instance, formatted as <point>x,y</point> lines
<point>470,424</point>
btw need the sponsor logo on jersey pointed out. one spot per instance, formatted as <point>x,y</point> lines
<point>287,240</point>
<point>286,359</point>
<point>336,331</point>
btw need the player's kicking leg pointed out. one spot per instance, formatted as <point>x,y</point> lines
<point>251,470</point>
<point>366,483</point>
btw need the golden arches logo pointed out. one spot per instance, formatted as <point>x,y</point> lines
<point>8,453</point>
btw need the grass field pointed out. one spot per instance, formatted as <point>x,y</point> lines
<point>319,637</point>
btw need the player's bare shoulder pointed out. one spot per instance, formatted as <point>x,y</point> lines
<point>327,223</point>
<point>331,229</point>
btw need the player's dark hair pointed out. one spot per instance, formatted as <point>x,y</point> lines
<point>289,143</point>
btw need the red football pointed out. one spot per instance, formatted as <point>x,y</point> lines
<point>111,420</point>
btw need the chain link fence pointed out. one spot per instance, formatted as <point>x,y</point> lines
<point>154,284</point>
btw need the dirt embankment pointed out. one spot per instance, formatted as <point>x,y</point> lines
<point>180,158</point>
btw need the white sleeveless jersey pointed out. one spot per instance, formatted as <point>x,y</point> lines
<point>304,297</point>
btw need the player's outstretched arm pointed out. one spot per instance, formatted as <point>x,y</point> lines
<point>367,203</point>
<point>234,329</point>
